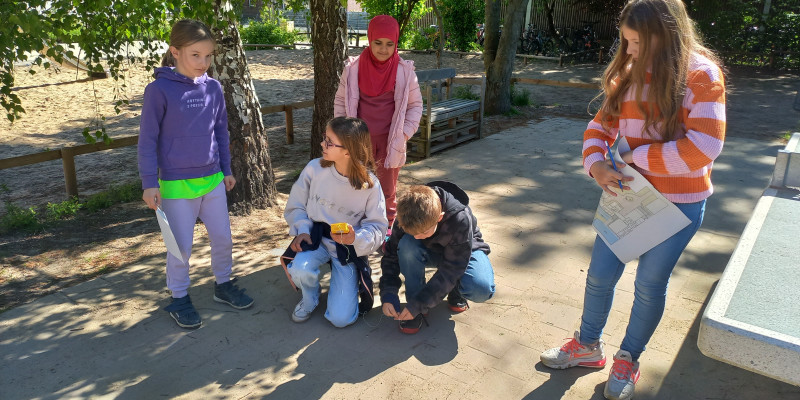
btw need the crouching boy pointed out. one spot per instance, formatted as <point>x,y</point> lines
<point>434,227</point>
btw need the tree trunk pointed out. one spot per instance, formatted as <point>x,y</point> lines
<point>329,35</point>
<point>499,52</point>
<point>440,25</point>
<point>250,161</point>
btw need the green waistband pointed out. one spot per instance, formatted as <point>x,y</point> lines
<point>190,188</point>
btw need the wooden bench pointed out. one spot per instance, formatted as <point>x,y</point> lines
<point>446,121</point>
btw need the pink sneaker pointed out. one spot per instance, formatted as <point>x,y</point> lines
<point>574,354</point>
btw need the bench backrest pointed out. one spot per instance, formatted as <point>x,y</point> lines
<point>426,75</point>
<point>438,80</point>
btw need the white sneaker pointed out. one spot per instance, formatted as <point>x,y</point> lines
<point>574,354</point>
<point>300,314</point>
<point>622,377</point>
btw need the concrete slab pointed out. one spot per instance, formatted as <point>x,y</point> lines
<point>114,341</point>
<point>752,319</point>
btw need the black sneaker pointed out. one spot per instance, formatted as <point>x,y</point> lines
<point>413,326</point>
<point>231,295</point>
<point>183,312</point>
<point>456,301</point>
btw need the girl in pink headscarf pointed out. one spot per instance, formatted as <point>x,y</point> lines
<point>382,89</point>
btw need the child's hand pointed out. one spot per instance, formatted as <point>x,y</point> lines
<point>229,182</point>
<point>296,243</point>
<point>605,175</point>
<point>152,196</point>
<point>389,310</point>
<point>404,316</point>
<point>345,238</point>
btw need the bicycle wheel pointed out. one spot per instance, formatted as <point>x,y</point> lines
<point>579,45</point>
<point>525,46</point>
<point>549,49</point>
<point>536,47</point>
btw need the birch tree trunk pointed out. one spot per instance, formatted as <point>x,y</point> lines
<point>250,160</point>
<point>329,38</point>
<point>499,52</point>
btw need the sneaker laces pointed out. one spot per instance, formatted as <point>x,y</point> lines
<point>573,346</point>
<point>622,370</point>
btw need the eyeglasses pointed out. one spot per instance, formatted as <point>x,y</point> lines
<point>329,143</point>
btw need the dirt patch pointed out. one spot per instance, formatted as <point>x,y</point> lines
<point>91,244</point>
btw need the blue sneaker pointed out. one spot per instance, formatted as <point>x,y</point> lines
<point>231,295</point>
<point>183,312</point>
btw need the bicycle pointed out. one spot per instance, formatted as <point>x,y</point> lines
<point>562,42</point>
<point>537,41</point>
<point>586,41</point>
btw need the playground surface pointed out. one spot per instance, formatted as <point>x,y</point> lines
<point>109,338</point>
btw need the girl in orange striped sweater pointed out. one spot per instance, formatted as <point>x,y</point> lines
<point>665,93</point>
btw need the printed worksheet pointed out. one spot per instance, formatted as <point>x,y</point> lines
<point>638,219</point>
<point>166,233</point>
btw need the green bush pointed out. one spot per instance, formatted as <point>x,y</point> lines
<point>266,33</point>
<point>421,40</point>
<point>465,92</point>
<point>20,219</point>
<point>460,20</point>
<point>63,210</point>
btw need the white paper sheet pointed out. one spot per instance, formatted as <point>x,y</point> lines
<point>166,232</point>
<point>638,219</point>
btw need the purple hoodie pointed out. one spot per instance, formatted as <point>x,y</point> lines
<point>183,132</point>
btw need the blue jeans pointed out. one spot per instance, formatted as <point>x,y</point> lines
<point>343,293</point>
<point>650,293</point>
<point>477,283</point>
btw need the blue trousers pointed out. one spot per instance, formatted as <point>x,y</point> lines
<point>343,293</point>
<point>477,283</point>
<point>650,293</point>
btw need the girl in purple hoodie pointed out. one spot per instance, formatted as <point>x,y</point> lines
<point>185,164</point>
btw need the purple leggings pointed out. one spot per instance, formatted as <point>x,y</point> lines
<point>212,208</point>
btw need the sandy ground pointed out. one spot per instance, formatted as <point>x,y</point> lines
<point>58,109</point>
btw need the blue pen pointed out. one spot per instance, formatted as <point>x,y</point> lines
<point>614,164</point>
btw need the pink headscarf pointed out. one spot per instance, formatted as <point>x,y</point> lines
<point>376,77</point>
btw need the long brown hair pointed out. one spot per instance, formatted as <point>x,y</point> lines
<point>185,32</point>
<point>354,135</point>
<point>676,40</point>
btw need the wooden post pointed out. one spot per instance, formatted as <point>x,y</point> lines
<point>289,110</point>
<point>560,60</point>
<point>70,179</point>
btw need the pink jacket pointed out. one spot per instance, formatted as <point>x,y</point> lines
<point>407,106</point>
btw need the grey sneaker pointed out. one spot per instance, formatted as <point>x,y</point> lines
<point>231,295</point>
<point>622,377</point>
<point>300,314</point>
<point>183,312</point>
<point>574,354</point>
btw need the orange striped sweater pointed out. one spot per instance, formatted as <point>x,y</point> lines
<point>680,169</point>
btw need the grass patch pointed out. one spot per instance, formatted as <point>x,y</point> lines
<point>465,92</point>
<point>36,219</point>
<point>520,98</point>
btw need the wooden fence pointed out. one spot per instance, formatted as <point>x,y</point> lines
<point>67,154</point>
